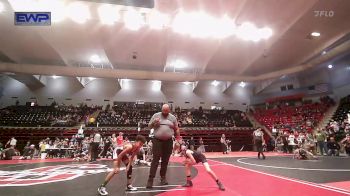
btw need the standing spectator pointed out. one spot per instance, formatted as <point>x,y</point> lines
<point>94,146</point>
<point>201,147</point>
<point>333,147</point>
<point>191,144</point>
<point>165,125</point>
<point>12,142</point>
<point>320,139</point>
<point>223,144</point>
<point>346,143</point>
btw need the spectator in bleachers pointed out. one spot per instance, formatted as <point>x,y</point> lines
<point>333,147</point>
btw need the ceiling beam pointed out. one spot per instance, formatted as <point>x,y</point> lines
<point>32,82</point>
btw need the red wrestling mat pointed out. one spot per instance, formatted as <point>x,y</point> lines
<point>241,181</point>
<point>345,185</point>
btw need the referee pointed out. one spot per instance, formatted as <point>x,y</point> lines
<point>164,125</point>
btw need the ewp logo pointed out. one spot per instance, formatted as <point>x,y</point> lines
<point>33,18</point>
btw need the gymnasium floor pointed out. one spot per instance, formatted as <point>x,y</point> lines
<point>241,173</point>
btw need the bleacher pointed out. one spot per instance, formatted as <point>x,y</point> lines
<point>292,118</point>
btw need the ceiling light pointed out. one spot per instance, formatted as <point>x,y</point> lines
<point>108,14</point>
<point>247,31</point>
<point>265,33</point>
<point>23,5</point>
<point>158,20</point>
<point>92,78</point>
<point>156,85</point>
<point>242,84</point>
<point>78,12</point>
<point>225,28</point>
<point>324,52</point>
<point>55,77</point>
<point>95,59</point>
<point>180,23</point>
<point>315,34</point>
<point>180,64</point>
<point>187,83</point>
<point>56,7</point>
<point>133,20</point>
<point>2,7</point>
<point>330,66</point>
<point>215,83</point>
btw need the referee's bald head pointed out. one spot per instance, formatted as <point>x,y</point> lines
<point>165,109</point>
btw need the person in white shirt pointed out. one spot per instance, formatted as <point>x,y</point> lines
<point>12,142</point>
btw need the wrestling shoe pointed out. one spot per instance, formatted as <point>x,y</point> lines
<point>149,183</point>
<point>188,184</point>
<point>102,190</point>
<point>221,186</point>
<point>163,181</point>
<point>130,188</point>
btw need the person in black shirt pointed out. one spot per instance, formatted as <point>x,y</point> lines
<point>258,138</point>
<point>192,158</point>
<point>333,147</point>
<point>191,143</point>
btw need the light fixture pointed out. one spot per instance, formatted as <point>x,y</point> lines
<point>187,83</point>
<point>330,66</point>
<point>108,14</point>
<point>78,12</point>
<point>156,85</point>
<point>55,77</point>
<point>23,5</point>
<point>56,7</point>
<point>324,52</point>
<point>91,78</point>
<point>315,34</point>
<point>215,83</point>
<point>242,84</point>
<point>2,7</point>
<point>248,32</point>
<point>157,20</point>
<point>180,64</point>
<point>133,20</point>
<point>225,28</point>
<point>95,59</point>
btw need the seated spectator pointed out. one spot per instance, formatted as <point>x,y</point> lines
<point>28,153</point>
<point>333,147</point>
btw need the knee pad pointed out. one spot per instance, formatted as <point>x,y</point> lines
<point>129,172</point>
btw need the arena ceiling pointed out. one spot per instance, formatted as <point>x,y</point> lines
<point>206,42</point>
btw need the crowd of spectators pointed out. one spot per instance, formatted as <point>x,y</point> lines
<point>46,116</point>
<point>129,115</point>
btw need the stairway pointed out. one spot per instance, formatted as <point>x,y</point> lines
<point>327,117</point>
<point>256,124</point>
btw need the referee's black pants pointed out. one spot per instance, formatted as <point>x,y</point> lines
<point>162,149</point>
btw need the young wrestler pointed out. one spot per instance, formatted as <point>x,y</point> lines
<point>126,156</point>
<point>192,158</point>
<point>302,153</point>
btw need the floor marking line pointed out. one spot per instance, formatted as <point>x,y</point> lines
<point>160,186</point>
<point>154,191</point>
<point>285,178</point>
<point>291,168</point>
